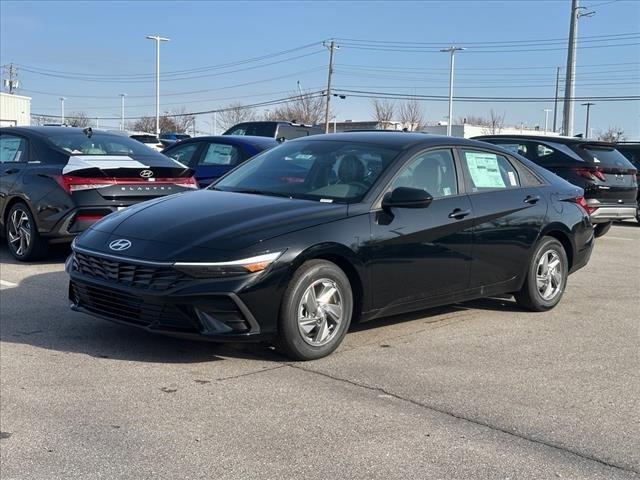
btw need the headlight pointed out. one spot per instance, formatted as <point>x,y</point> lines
<point>228,269</point>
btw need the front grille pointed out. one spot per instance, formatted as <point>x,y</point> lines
<point>129,274</point>
<point>129,308</point>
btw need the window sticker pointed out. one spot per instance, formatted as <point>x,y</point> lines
<point>484,170</point>
<point>512,179</point>
<point>446,191</point>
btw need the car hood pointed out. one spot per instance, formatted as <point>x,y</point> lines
<point>172,227</point>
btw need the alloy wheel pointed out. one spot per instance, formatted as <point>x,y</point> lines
<point>320,312</point>
<point>19,231</point>
<point>549,275</point>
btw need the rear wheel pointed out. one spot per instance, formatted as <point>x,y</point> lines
<point>546,277</point>
<point>316,311</point>
<point>23,239</point>
<point>601,228</point>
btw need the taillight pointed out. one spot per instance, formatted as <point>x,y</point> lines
<point>585,206</point>
<point>591,174</point>
<point>188,183</point>
<point>72,184</point>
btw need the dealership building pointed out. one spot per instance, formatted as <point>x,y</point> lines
<point>15,110</point>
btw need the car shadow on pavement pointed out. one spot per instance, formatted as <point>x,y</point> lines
<point>36,312</point>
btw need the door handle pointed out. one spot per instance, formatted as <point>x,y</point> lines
<point>459,213</point>
<point>532,199</point>
<point>11,171</point>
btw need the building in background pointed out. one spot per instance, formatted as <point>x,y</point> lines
<point>15,110</point>
<point>466,130</point>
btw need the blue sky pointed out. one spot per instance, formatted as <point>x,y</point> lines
<point>107,38</point>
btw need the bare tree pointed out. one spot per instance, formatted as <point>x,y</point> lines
<point>78,119</point>
<point>143,124</point>
<point>611,134</point>
<point>172,121</point>
<point>496,122</point>
<point>235,113</point>
<point>306,108</point>
<point>474,120</point>
<point>411,114</point>
<point>383,111</point>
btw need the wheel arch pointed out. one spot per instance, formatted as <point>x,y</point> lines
<point>563,235</point>
<point>346,259</point>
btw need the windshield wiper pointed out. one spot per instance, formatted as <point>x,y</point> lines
<point>259,192</point>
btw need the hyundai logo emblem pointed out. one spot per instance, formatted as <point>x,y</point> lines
<point>146,174</point>
<point>120,244</point>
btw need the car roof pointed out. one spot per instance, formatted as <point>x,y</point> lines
<point>549,138</point>
<point>394,139</point>
<point>233,140</point>
<point>45,131</point>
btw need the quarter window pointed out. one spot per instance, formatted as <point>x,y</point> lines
<point>489,171</point>
<point>220,154</point>
<point>12,149</point>
<point>433,172</point>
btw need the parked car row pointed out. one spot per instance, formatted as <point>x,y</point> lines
<point>290,242</point>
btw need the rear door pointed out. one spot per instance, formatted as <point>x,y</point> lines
<point>509,213</point>
<point>13,161</point>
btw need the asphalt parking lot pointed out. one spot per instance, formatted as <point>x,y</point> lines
<point>476,390</point>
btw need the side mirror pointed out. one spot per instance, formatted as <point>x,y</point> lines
<point>405,197</point>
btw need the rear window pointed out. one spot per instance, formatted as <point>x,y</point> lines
<point>78,143</point>
<point>606,157</point>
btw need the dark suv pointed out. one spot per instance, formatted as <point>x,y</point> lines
<point>280,130</point>
<point>607,177</point>
<point>631,150</point>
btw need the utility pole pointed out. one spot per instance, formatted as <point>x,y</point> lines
<point>62,99</point>
<point>555,102</point>
<point>332,46</point>
<point>570,79</point>
<point>97,123</point>
<point>122,95</point>
<point>157,39</point>
<point>586,127</point>
<point>11,78</point>
<point>453,51</point>
<point>546,118</point>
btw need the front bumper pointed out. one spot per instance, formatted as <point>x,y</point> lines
<point>202,309</point>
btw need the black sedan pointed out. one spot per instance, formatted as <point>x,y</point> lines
<point>56,181</point>
<point>302,239</point>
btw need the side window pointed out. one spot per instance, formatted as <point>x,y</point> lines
<point>287,132</point>
<point>12,149</point>
<point>184,153</point>
<point>488,171</point>
<point>220,154</point>
<point>432,171</point>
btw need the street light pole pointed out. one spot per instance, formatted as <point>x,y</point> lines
<point>122,95</point>
<point>451,50</point>
<point>546,118</point>
<point>157,39</point>
<point>62,99</point>
<point>586,127</point>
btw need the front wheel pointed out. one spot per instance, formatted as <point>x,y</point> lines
<point>23,239</point>
<point>546,277</point>
<point>316,311</point>
<point>601,228</point>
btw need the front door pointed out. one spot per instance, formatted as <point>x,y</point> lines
<point>417,254</point>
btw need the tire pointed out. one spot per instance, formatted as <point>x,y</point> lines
<point>601,229</point>
<point>322,330</point>
<point>534,293</point>
<point>21,232</point>
<point>638,214</point>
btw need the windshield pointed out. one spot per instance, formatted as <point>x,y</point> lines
<point>257,129</point>
<point>317,170</point>
<point>77,143</point>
